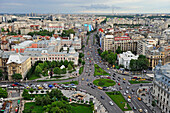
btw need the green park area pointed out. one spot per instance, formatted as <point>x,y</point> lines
<point>104,82</point>
<point>81,70</point>
<point>138,82</point>
<point>117,97</point>
<point>99,71</point>
<point>34,108</point>
<point>42,68</point>
<point>75,108</point>
<point>81,108</point>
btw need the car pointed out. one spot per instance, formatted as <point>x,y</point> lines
<point>120,88</point>
<point>124,79</point>
<point>99,87</point>
<point>133,90</point>
<point>134,107</point>
<point>145,110</point>
<point>119,84</point>
<point>111,103</point>
<point>128,83</point>
<point>132,93</point>
<point>113,78</point>
<point>129,97</point>
<point>124,82</point>
<point>129,100</point>
<point>127,87</point>
<point>107,68</point>
<point>82,79</point>
<point>127,91</point>
<point>140,110</point>
<point>139,99</point>
<point>124,93</point>
<point>141,85</point>
<point>102,97</point>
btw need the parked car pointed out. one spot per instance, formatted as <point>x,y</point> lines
<point>145,110</point>
<point>102,97</point>
<point>134,107</point>
<point>140,110</point>
<point>111,103</point>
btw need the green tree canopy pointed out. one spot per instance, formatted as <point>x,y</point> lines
<point>38,69</point>
<point>79,60</point>
<point>3,93</point>
<point>66,63</point>
<point>67,33</point>
<point>118,51</point>
<point>57,70</point>
<point>81,55</point>
<point>1,75</point>
<point>70,67</point>
<point>16,76</point>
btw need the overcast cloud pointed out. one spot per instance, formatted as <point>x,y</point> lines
<point>84,6</point>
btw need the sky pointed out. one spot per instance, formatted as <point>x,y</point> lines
<point>84,6</point>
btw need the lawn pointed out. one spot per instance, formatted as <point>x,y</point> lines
<point>119,100</point>
<point>81,108</point>
<point>81,70</point>
<point>138,82</point>
<point>99,71</point>
<point>33,77</point>
<point>75,108</point>
<point>33,107</point>
<point>72,82</point>
<point>104,82</point>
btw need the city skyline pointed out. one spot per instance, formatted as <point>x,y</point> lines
<point>88,6</point>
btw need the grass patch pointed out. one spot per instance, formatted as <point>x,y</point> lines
<point>80,108</point>
<point>87,40</point>
<point>54,80</point>
<point>138,82</point>
<point>117,97</point>
<point>33,77</point>
<point>104,82</point>
<point>33,107</point>
<point>81,70</point>
<point>72,82</point>
<point>99,71</point>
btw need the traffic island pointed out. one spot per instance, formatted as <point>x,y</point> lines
<point>99,71</point>
<point>117,97</point>
<point>104,82</point>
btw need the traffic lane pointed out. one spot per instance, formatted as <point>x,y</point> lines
<point>98,93</point>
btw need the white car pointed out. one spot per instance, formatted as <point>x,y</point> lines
<point>124,93</point>
<point>146,111</point>
<point>129,100</point>
<point>127,91</point>
<point>127,87</point>
<point>111,103</point>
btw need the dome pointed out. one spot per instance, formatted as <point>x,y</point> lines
<point>52,39</point>
<point>58,38</point>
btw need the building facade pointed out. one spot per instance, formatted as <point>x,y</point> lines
<point>161,87</point>
<point>125,57</point>
<point>18,64</point>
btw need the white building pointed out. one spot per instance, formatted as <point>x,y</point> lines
<point>125,57</point>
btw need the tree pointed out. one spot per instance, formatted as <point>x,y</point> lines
<point>63,71</point>
<point>57,70</point>
<point>81,55</point>
<point>70,67</point>
<point>41,65</point>
<point>26,95</point>
<point>3,93</point>
<point>19,31</point>
<point>1,75</point>
<point>67,33</point>
<point>53,64</point>
<point>2,29</point>
<point>38,70</point>
<point>83,62</point>
<point>17,76</point>
<point>79,60</point>
<point>66,63</point>
<point>38,100</point>
<point>56,93</point>
<point>31,90</point>
<point>118,51</point>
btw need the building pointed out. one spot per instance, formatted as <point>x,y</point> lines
<point>125,57</point>
<point>125,43</point>
<point>107,42</point>
<point>18,64</point>
<point>161,86</point>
